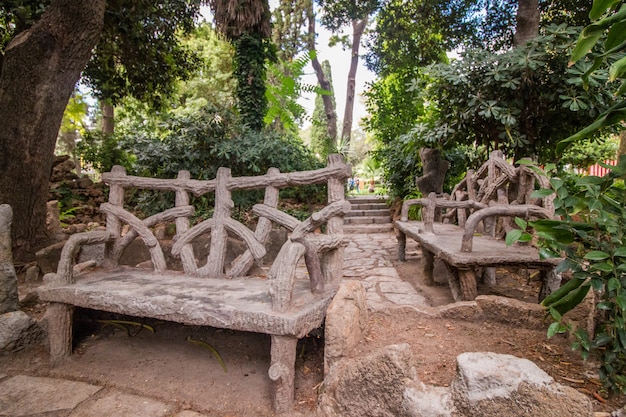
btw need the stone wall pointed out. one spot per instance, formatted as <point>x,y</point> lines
<point>80,197</point>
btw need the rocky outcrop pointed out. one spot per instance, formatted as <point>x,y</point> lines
<point>372,385</point>
<point>487,385</point>
<point>8,278</point>
<point>384,383</point>
<point>493,385</point>
<point>80,196</point>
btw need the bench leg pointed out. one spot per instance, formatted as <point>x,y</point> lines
<point>467,282</point>
<point>282,372</point>
<point>428,265</point>
<point>489,275</point>
<point>59,318</point>
<point>550,282</point>
<point>401,247</point>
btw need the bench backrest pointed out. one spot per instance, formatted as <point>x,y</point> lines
<point>221,223</point>
<point>496,182</point>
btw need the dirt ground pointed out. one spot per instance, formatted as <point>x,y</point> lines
<point>166,365</point>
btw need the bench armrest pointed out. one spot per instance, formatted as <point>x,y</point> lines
<point>523,210</point>
<point>432,203</point>
<point>70,250</point>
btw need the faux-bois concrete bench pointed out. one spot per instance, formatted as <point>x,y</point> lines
<point>466,229</point>
<point>283,302</point>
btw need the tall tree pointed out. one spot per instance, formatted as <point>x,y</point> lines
<point>46,45</point>
<point>328,102</point>
<point>246,24</point>
<point>40,67</point>
<point>527,21</point>
<point>321,141</point>
<point>336,15</point>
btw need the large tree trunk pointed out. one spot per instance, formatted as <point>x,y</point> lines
<point>108,118</point>
<point>40,68</point>
<point>329,106</point>
<point>527,21</point>
<point>358,26</point>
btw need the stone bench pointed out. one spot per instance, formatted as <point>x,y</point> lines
<point>465,230</point>
<point>285,300</point>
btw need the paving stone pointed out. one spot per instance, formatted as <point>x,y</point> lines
<point>24,395</point>
<point>407,299</point>
<point>124,405</point>
<point>399,287</point>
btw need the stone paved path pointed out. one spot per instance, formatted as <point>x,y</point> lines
<point>368,258</point>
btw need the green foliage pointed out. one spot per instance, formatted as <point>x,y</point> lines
<point>522,102</point>
<point>321,143</point>
<point>17,16</point>
<point>102,151</point>
<point>608,29</point>
<point>585,153</point>
<point>592,236</point>
<point>284,111</point>
<point>251,51</point>
<point>140,53</point>
<point>208,139</point>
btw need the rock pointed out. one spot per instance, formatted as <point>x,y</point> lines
<point>53,214</point>
<point>422,400</point>
<point>8,278</point>
<point>48,257</point>
<point>511,311</point>
<point>18,330</point>
<point>32,273</point>
<point>84,182</point>
<point>372,385</point>
<point>346,320</point>
<point>493,385</point>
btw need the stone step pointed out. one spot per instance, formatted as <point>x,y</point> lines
<point>367,228</point>
<point>368,206</point>
<point>360,213</point>
<point>367,220</point>
<point>366,200</point>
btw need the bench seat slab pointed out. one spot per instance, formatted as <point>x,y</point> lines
<point>239,304</point>
<point>487,251</point>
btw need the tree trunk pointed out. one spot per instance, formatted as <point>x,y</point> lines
<point>40,68</point>
<point>622,144</point>
<point>358,26</point>
<point>108,118</point>
<point>527,21</point>
<point>329,106</point>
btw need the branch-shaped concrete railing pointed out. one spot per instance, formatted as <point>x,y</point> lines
<point>525,210</point>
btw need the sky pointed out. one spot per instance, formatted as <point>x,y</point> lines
<point>339,64</point>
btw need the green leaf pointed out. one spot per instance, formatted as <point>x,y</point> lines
<point>587,40</point>
<point>526,237</point>
<point>512,236</point>
<point>571,300</point>
<point>599,7</point>
<point>617,69</point>
<point>613,284</point>
<point>563,291</point>
<point>521,223</point>
<point>615,38</point>
<point>596,255</point>
<point>541,193</point>
<point>555,328</point>
<point>621,252</point>
<point>602,266</point>
<point>601,339</point>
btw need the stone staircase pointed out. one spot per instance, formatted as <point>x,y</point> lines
<point>369,214</point>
